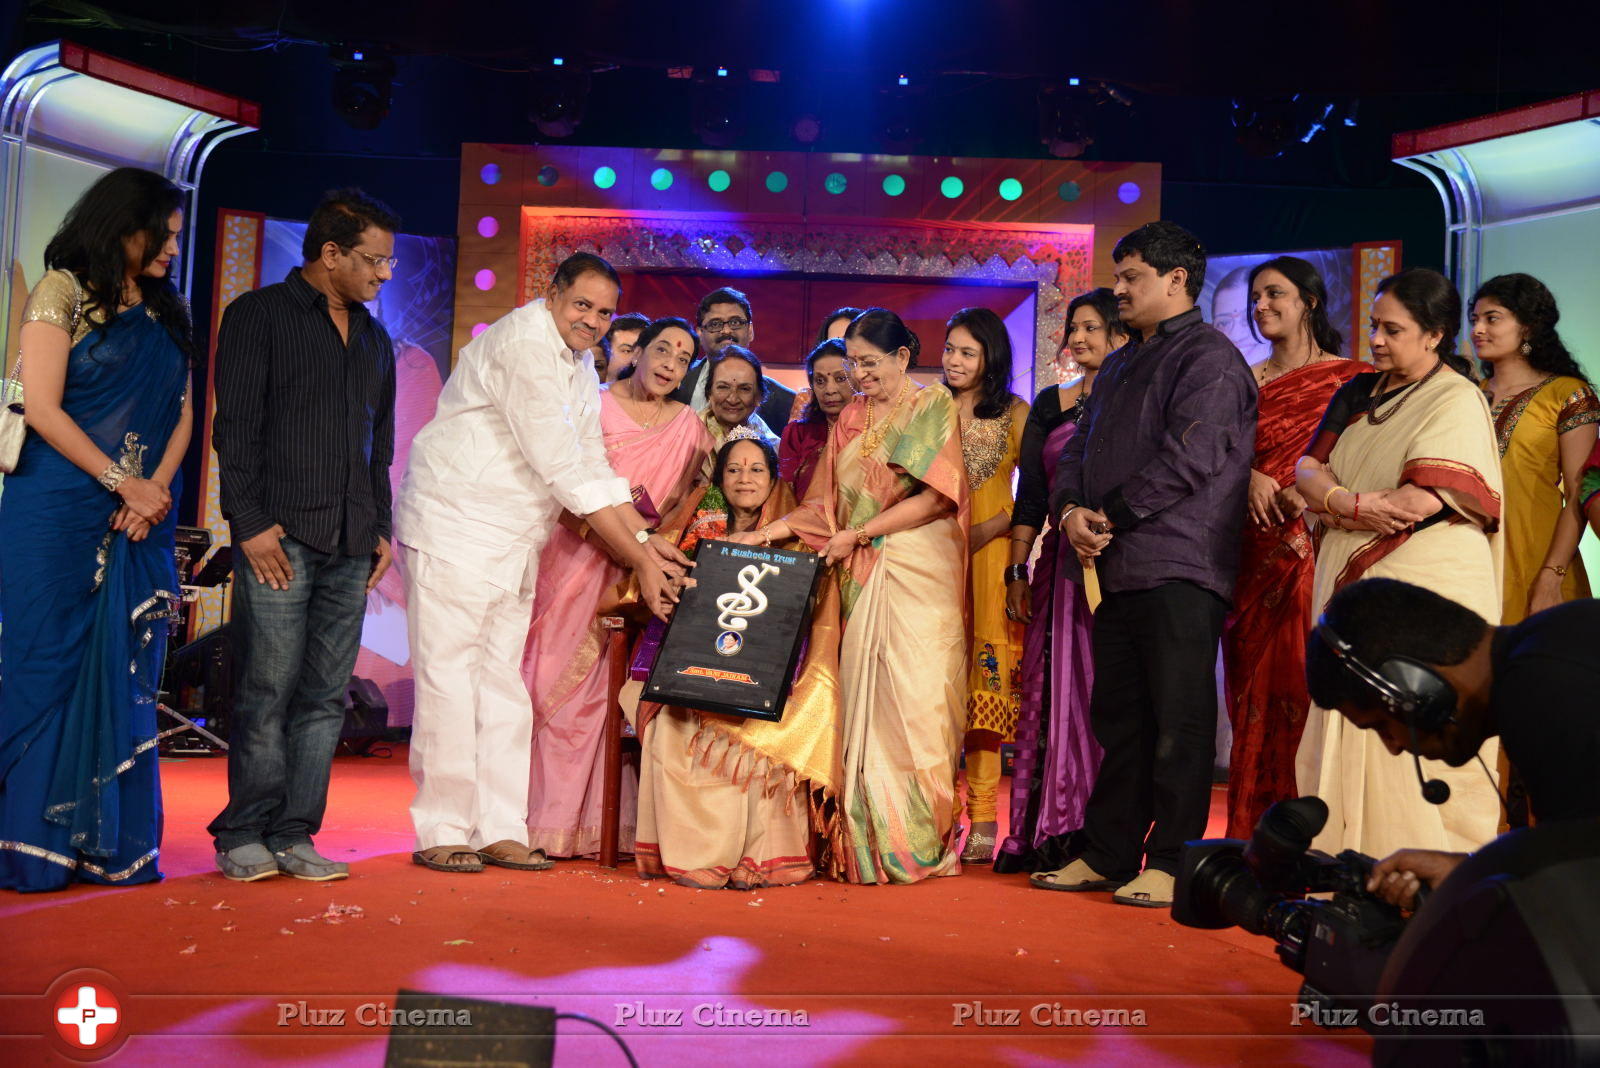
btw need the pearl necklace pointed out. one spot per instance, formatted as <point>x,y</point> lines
<point>872,435</point>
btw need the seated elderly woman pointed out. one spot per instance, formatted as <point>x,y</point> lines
<point>725,801</point>
<point>734,393</point>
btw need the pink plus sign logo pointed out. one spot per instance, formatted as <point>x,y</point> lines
<point>88,1016</point>
<point>86,1008</point>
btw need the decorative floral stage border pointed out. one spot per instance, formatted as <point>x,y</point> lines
<point>1055,260</point>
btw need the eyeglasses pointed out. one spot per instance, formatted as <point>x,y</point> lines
<point>374,260</point>
<point>865,365</point>
<point>715,325</point>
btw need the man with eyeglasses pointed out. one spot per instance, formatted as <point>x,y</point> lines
<point>724,318</point>
<point>304,434</point>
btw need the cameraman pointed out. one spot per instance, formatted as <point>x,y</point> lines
<point>1535,685</point>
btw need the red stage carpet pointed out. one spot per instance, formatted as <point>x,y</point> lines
<point>212,972</point>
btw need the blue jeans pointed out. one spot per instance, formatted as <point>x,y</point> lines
<point>299,647</point>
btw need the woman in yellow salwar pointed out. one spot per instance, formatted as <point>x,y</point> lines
<point>1404,478</point>
<point>888,506</point>
<point>731,802</point>
<point>1544,423</point>
<point>977,371</point>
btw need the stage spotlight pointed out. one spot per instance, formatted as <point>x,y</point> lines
<point>1265,127</point>
<point>897,128</point>
<point>363,85</point>
<point>903,80</point>
<point>556,99</point>
<point>718,113</point>
<point>1065,128</point>
<point>807,129</point>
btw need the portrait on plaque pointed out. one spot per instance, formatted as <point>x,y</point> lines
<point>735,637</point>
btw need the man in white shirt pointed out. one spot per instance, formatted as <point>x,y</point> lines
<point>515,441</point>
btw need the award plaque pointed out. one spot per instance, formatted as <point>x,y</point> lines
<point>735,636</point>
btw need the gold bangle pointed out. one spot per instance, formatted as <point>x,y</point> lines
<point>766,534</point>
<point>863,539</point>
<point>1326,497</point>
<point>1561,572</point>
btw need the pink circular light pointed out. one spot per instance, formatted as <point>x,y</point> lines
<point>488,226</point>
<point>484,280</point>
<point>478,328</point>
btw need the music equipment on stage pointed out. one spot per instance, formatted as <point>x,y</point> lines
<point>198,680</point>
<point>430,1030</point>
<point>736,635</point>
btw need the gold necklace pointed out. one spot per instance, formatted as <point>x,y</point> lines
<point>661,404</point>
<point>871,435</point>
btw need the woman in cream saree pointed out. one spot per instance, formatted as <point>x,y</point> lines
<point>732,802</point>
<point>1431,431</point>
<point>889,505</point>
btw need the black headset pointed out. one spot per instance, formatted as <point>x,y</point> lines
<point>1414,692</point>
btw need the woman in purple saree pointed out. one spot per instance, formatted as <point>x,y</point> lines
<point>1057,756</point>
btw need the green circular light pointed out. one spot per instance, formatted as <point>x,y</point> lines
<point>835,183</point>
<point>661,178</point>
<point>1010,189</point>
<point>777,182</point>
<point>548,176</point>
<point>1069,191</point>
<point>605,177</point>
<point>952,187</point>
<point>719,181</point>
<point>894,185</point>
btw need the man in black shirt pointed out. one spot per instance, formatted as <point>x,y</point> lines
<point>1535,685</point>
<point>304,435</point>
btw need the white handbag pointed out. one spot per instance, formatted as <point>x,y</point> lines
<point>13,424</point>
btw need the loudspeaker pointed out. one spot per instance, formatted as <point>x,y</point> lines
<point>1506,957</point>
<point>366,718</point>
<point>434,1031</point>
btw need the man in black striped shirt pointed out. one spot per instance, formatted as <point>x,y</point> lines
<point>304,433</point>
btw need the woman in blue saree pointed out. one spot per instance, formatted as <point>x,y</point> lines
<point>87,584</point>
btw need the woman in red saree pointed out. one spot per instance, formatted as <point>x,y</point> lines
<point>1264,638</point>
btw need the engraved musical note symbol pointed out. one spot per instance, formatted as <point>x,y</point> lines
<point>737,608</point>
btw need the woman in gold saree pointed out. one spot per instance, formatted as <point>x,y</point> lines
<point>726,801</point>
<point>888,505</point>
<point>1405,478</point>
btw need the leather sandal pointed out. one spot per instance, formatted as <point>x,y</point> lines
<point>507,853</point>
<point>1074,878</point>
<point>443,858</point>
<point>1152,889</point>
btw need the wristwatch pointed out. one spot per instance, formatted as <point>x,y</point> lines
<point>642,536</point>
<point>863,539</point>
<point>1016,573</point>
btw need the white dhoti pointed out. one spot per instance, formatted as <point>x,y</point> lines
<point>472,731</point>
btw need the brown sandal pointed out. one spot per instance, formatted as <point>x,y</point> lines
<point>443,858</point>
<point>511,854</point>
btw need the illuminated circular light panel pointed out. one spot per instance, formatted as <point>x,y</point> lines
<point>952,187</point>
<point>484,280</point>
<point>548,175</point>
<point>894,185</point>
<point>490,174</point>
<point>1010,189</point>
<point>488,226</point>
<point>661,179</point>
<point>777,182</point>
<point>835,183</point>
<point>478,328</point>
<point>605,177</point>
<point>1069,191</point>
<point>1128,192</point>
<point>719,181</point>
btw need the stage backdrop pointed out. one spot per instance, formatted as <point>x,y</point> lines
<point>789,309</point>
<point>415,307</point>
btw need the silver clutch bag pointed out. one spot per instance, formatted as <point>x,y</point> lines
<point>13,427</point>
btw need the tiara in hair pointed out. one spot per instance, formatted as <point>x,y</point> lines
<point>744,432</point>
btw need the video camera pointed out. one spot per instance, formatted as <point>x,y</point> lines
<point>1340,945</point>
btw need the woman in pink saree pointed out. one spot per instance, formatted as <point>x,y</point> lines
<point>659,446</point>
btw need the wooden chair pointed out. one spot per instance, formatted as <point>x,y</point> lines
<point>619,641</point>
